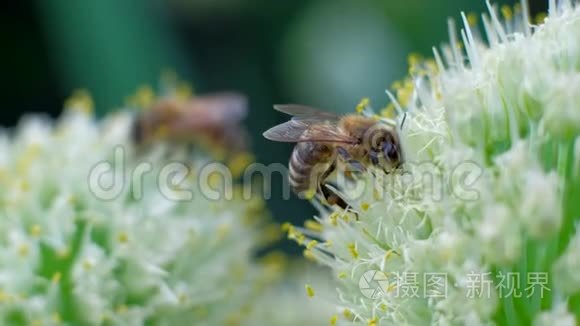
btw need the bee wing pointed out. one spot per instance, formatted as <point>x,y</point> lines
<point>307,113</point>
<point>295,131</point>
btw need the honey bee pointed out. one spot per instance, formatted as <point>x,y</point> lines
<point>215,119</point>
<point>323,138</point>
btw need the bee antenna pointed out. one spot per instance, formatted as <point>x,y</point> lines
<point>404,118</point>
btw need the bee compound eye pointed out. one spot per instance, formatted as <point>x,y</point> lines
<point>390,151</point>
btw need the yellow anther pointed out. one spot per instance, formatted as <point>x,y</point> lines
<point>56,277</point>
<point>309,194</point>
<point>414,59</point>
<point>365,206</point>
<point>35,230</point>
<point>309,291</point>
<point>347,314</point>
<point>362,105</point>
<point>144,96</point>
<point>472,19</point>
<point>405,92</point>
<point>540,18</point>
<point>23,250</point>
<point>286,227</point>
<point>121,309</point>
<point>239,163</point>
<point>388,111</point>
<point>63,253</point>
<point>333,320</point>
<point>373,322</point>
<point>352,249</point>
<point>223,230</point>
<point>383,307</point>
<point>87,264</point>
<point>311,244</point>
<point>123,237</point>
<point>80,101</point>
<point>506,11</point>
<point>333,218</point>
<point>313,226</point>
<point>342,275</point>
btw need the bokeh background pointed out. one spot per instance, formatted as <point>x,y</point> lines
<point>325,53</point>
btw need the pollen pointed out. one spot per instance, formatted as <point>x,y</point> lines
<point>342,275</point>
<point>63,253</point>
<point>80,101</point>
<point>405,92</point>
<point>373,322</point>
<point>144,96</point>
<point>362,105</point>
<point>309,291</point>
<point>309,194</point>
<point>352,249</point>
<point>23,250</point>
<point>347,314</point>
<point>35,230</point>
<point>311,244</point>
<point>239,163</point>
<point>333,320</point>
<point>56,277</point>
<point>507,12</point>
<point>87,264</point>
<point>472,19</point>
<point>223,231</point>
<point>388,111</point>
<point>313,226</point>
<point>286,227</point>
<point>123,238</point>
<point>121,309</point>
<point>365,206</point>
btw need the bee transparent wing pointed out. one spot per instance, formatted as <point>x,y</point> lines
<point>295,131</point>
<point>306,113</point>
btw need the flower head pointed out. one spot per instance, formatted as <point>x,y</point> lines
<point>96,230</point>
<point>483,207</point>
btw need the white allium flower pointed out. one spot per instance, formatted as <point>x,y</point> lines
<point>80,250</point>
<point>479,226</point>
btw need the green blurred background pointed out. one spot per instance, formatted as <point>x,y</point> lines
<point>318,52</point>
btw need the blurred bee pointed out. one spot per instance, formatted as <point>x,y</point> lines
<point>323,137</point>
<point>214,119</point>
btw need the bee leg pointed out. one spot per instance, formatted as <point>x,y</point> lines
<point>330,196</point>
<point>354,165</point>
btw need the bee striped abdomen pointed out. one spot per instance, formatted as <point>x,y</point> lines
<point>306,165</point>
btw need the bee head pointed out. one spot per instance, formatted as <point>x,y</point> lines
<point>383,145</point>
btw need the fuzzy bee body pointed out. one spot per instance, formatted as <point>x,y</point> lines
<point>322,138</point>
